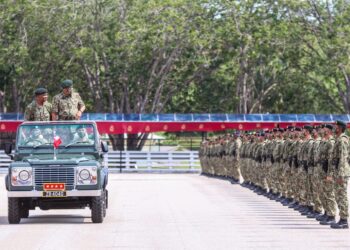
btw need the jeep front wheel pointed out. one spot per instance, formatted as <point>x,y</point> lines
<point>14,211</point>
<point>97,208</point>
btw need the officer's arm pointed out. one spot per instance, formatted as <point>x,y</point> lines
<point>81,106</point>
<point>27,114</point>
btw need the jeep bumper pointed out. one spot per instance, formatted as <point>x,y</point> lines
<point>70,193</point>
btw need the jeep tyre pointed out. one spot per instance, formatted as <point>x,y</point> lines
<point>24,212</point>
<point>105,206</point>
<point>14,211</point>
<point>97,208</point>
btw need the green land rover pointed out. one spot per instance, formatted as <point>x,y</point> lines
<point>57,165</point>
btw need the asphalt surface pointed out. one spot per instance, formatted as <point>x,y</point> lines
<point>172,211</point>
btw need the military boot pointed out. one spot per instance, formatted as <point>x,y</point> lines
<point>288,202</point>
<point>280,198</point>
<point>329,220</point>
<point>307,210</point>
<point>342,224</point>
<point>313,214</point>
<point>299,207</point>
<point>293,205</point>
<point>321,217</point>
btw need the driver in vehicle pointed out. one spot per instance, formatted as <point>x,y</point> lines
<point>81,136</point>
<point>48,135</point>
<point>36,138</point>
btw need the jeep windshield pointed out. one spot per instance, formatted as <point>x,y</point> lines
<point>60,135</point>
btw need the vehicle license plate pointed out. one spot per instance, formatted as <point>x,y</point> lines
<point>54,194</point>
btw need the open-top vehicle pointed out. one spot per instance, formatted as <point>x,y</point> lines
<point>57,165</point>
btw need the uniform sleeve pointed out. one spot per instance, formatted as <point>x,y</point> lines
<point>54,106</point>
<point>49,107</point>
<point>343,169</point>
<point>28,113</point>
<point>329,157</point>
<point>80,101</point>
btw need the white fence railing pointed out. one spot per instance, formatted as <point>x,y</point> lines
<point>138,161</point>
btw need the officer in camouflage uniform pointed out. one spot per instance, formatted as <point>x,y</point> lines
<point>67,105</point>
<point>39,109</point>
<point>340,166</point>
<point>313,175</point>
<point>293,164</point>
<point>328,195</point>
<point>287,165</point>
<point>307,162</point>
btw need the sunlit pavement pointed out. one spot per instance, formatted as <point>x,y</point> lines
<point>172,211</point>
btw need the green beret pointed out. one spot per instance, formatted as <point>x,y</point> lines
<point>329,126</point>
<point>40,91</point>
<point>298,129</point>
<point>341,124</point>
<point>66,83</point>
<point>290,128</point>
<point>308,127</point>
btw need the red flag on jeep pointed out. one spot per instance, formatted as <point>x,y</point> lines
<point>56,141</point>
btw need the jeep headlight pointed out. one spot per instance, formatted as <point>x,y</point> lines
<point>22,176</point>
<point>86,175</point>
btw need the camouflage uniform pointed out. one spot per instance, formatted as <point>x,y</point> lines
<point>67,106</point>
<point>35,112</point>
<point>340,170</point>
<point>328,185</point>
<point>314,172</point>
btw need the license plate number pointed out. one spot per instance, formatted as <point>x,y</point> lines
<point>54,194</point>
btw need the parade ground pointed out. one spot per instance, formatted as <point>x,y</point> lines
<point>172,211</point>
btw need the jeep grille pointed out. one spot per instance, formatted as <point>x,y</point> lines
<point>54,175</point>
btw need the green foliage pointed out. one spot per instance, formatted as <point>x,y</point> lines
<point>179,55</point>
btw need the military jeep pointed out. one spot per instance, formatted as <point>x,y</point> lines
<point>57,165</point>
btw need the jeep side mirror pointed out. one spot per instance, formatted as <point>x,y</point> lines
<point>8,148</point>
<point>104,146</point>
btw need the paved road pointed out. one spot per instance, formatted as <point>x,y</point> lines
<point>172,211</point>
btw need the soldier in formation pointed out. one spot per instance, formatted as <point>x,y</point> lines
<point>304,168</point>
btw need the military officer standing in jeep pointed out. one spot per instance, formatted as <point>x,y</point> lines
<point>39,109</point>
<point>67,105</point>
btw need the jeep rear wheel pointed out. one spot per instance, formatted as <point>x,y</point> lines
<point>14,211</point>
<point>97,209</point>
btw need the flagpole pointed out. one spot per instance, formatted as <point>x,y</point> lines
<point>54,148</point>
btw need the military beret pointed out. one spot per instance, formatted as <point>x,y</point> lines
<point>40,91</point>
<point>281,130</point>
<point>298,129</point>
<point>275,129</point>
<point>322,125</point>
<point>329,126</point>
<point>66,83</point>
<point>290,128</point>
<point>341,124</point>
<point>308,127</point>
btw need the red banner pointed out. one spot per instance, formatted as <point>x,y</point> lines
<point>106,127</point>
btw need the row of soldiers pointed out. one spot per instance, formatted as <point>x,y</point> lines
<point>306,168</point>
<point>66,105</point>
